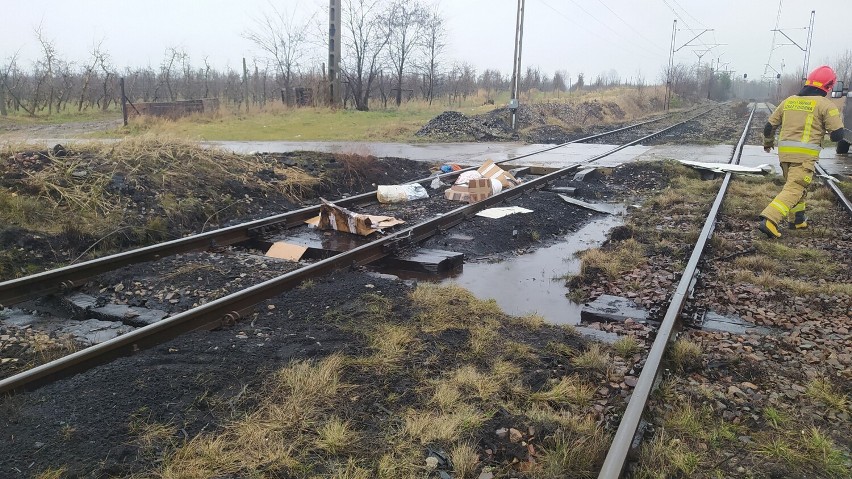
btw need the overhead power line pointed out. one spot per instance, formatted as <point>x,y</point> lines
<point>616,15</point>
<point>597,34</point>
<point>689,14</point>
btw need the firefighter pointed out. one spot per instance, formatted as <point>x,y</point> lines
<point>804,119</point>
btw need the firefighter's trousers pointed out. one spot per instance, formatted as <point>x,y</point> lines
<point>791,199</point>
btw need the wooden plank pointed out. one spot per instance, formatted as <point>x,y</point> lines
<point>427,261</point>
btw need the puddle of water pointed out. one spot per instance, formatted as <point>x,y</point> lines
<point>531,283</point>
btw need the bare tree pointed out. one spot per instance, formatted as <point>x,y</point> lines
<point>434,40</point>
<point>407,22</point>
<point>89,72</point>
<point>366,28</point>
<point>843,67</point>
<point>47,66</point>
<point>283,40</point>
<point>559,82</point>
<point>173,55</point>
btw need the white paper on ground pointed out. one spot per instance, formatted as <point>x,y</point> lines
<point>725,167</point>
<point>496,213</point>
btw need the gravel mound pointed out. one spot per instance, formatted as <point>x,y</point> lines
<point>455,126</point>
<point>535,122</point>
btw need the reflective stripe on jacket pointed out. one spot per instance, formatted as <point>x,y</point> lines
<point>804,121</point>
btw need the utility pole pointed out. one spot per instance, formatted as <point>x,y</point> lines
<point>514,103</point>
<point>334,52</point>
<point>806,49</point>
<point>673,50</point>
<point>671,65</point>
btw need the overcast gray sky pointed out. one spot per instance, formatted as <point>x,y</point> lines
<point>592,36</point>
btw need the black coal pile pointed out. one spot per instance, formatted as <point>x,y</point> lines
<point>455,126</point>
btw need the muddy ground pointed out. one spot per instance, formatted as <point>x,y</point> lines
<point>718,420</point>
<point>187,382</point>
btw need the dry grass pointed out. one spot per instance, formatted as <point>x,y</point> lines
<point>390,343</point>
<point>291,419</point>
<point>568,391</point>
<point>685,355</point>
<point>577,451</point>
<point>611,264</point>
<point>594,358</point>
<point>52,473</point>
<point>336,436</point>
<point>446,307</point>
<point>666,457</point>
<point>474,384</point>
<point>307,423</point>
<point>823,391</point>
<point>800,288</point>
<point>428,426</point>
<point>464,459</point>
<point>626,346</point>
<point>92,196</point>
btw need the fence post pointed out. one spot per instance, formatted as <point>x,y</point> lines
<point>123,101</point>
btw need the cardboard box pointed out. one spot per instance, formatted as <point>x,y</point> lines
<point>476,190</point>
<point>333,217</point>
<point>457,193</point>
<point>490,170</point>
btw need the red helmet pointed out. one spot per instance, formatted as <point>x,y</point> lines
<point>823,78</point>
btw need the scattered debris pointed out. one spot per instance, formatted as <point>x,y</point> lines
<point>763,169</point>
<point>474,186</point>
<point>401,193</point>
<point>290,252</point>
<point>496,213</point>
<point>337,218</point>
<point>589,206</point>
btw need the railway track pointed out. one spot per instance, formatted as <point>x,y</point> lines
<point>225,312</point>
<point>626,436</point>
<point>66,278</point>
<point>231,308</point>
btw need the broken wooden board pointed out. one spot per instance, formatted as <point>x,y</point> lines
<point>589,206</point>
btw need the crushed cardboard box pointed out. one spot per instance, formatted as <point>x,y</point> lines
<point>475,191</point>
<point>491,171</point>
<point>476,186</point>
<point>333,217</point>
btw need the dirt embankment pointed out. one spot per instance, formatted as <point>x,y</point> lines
<point>70,204</point>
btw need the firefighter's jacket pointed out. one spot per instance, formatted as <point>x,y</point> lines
<point>804,121</point>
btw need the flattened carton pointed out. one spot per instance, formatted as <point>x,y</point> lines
<point>491,171</point>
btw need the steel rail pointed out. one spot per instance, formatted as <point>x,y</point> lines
<point>66,277</point>
<point>834,188</point>
<point>229,309</point>
<point>617,455</point>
